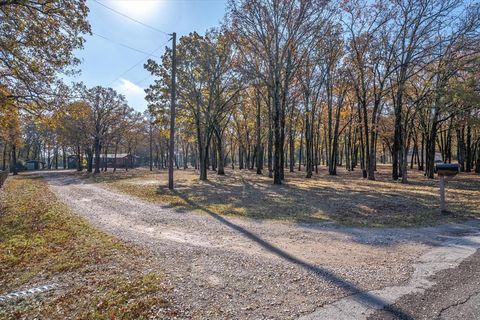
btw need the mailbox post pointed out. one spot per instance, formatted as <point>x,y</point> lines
<point>445,170</point>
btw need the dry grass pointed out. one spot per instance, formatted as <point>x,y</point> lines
<point>345,198</point>
<point>41,242</point>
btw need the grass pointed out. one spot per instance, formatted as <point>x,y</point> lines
<point>346,198</point>
<point>41,242</point>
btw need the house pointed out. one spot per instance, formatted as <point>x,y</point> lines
<point>34,164</point>
<point>72,161</point>
<point>120,160</point>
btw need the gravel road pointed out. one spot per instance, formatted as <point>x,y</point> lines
<point>224,267</point>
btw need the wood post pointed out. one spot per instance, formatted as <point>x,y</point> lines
<point>442,194</point>
<point>172,113</point>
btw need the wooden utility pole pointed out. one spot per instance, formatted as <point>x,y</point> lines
<point>151,142</point>
<point>172,112</point>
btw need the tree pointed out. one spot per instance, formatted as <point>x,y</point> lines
<point>37,42</point>
<point>10,132</point>
<point>76,128</point>
<point>206,87</point>
<point>107,108</point>
<point>275,31</point>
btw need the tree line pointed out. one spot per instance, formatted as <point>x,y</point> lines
<point>309,83</point>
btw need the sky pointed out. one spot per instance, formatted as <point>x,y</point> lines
<point>108,58</point>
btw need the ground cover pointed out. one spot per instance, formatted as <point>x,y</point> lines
<point>346,198</point>
<point>97,275</point>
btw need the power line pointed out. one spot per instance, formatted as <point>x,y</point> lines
<point>124,45</point>
<point>130,18</point>
<point>151,54</point>
<point>139,82</point>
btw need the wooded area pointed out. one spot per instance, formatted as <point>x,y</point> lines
<point>279,86</point>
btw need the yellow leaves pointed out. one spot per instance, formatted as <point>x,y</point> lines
<point>9,122</point>
<point>38,39</point>
<point>344,113</point>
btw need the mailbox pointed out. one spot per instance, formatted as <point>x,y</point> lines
<point>447,169</point>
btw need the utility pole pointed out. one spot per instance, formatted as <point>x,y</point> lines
<point>172,112</point>
<point>151,142</point>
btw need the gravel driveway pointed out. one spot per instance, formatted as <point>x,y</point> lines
<point>225,267</point>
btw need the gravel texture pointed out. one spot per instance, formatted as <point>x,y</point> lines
<point>227,267</point>
<point>455,295</point>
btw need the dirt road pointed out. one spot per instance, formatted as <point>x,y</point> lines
<point>223,267</point>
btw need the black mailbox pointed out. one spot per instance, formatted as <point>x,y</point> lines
<point>447,169</point>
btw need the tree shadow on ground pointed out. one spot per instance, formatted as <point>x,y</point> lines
<point>323,201</point>
<point>344,200</point>
<point>359,295</point>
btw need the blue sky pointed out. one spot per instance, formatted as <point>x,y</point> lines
<point>107,63</point>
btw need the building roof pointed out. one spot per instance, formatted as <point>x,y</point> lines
<point>119,155</point>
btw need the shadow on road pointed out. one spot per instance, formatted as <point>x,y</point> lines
<point>359,295</point>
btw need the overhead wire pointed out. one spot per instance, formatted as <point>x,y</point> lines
<point>132,19</point>
<point>151,54</point>
<point>136,64</point>
<point>122,44</point>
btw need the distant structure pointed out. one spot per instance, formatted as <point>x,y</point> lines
<point>34,164</point>
<point>121,160</point>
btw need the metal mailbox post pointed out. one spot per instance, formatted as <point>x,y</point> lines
<point>445,170</point>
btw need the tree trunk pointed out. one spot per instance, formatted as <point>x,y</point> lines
<point>105,164</point>
<point>430,153</point>
<point>203,155</point>
<point>89,153</point>
<point>4,164</point>
<point>461,150</point>
<point>115,158</point>
<point>185,158</point>
<point>477,166</point>
<point>270,138</point>
<point>300,151</point>
<point>240,157</point>
<point>422,155</point>
<point>79,159</point>
<point>64,158</point>
<point>56,157</point>
<point>468,156</point>
<point>221,155</point>
<point>14,159</point>
<point>332,165</point>
<point>97,150</point>
<point>362,147</point>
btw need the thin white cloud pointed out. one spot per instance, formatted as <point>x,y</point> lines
<point>135,94</point>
